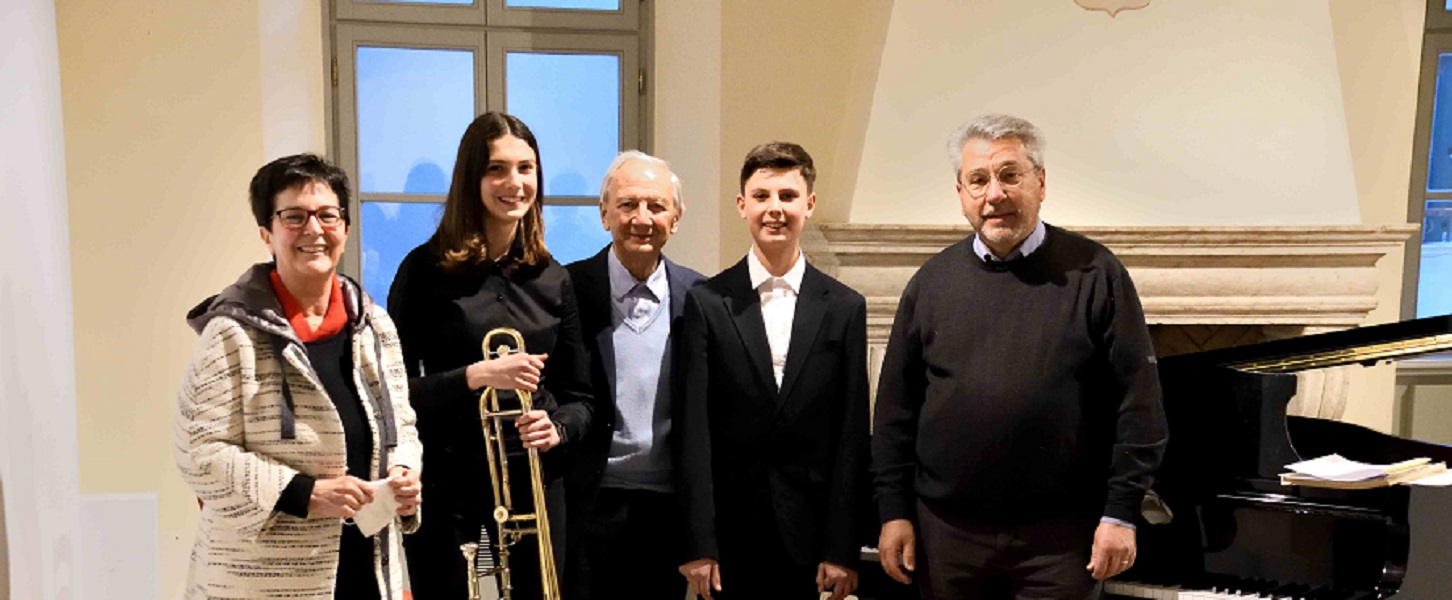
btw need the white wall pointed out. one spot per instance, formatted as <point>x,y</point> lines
<point>1204,113</point>
<point>39,473</point>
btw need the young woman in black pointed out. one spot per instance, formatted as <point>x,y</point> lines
<point>485,267</point>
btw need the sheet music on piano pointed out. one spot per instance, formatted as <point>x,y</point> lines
<point>1337,472</point>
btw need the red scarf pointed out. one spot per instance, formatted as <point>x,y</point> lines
<point>333,321</point>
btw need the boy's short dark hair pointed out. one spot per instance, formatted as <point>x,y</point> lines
<point>293,171</point>
<point>779,155</point>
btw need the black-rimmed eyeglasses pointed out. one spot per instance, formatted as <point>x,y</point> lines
<point>330,217</point>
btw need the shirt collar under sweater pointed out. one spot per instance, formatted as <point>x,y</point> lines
<point>622,282</point>
<point>1029,245</point>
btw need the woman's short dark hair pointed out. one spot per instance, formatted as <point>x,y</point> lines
<point>291,172</point>
<point>460,240</point>
<point>778,155</point>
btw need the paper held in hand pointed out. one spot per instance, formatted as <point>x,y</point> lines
<point>1336,471</point>
<point>376,515</point>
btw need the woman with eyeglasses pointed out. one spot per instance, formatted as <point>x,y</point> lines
<point>485,267</point>
<point>294,416</point>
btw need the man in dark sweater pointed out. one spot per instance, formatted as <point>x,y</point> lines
<point>1018,420</point>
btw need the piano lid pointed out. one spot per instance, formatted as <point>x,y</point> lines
<point>1363,345</point>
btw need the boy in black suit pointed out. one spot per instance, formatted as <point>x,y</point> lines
<point>772,440</point>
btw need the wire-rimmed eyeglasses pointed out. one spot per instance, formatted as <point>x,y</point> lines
<point>1009,177</point>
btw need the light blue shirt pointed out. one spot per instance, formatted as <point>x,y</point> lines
<point>1030,243</point>
<point>638,303</point>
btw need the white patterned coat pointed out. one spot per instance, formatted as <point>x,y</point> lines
<point>232,451</point>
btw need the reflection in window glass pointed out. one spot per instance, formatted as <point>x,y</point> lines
<point>1439,158</point>
<point>1434,282</point>
<point>390,230</point>
<point>413,106</point>
<point>573,232</point>
<point>572,103</point>
<point>573,4</point>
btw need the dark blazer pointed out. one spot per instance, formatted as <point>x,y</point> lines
<point>591,278</point>
<point>753,461</point>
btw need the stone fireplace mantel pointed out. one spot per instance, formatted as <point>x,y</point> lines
<point>1317,277</point>
<point>1280,280</point>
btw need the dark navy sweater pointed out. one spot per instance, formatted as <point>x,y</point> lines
<point>1020,390</point>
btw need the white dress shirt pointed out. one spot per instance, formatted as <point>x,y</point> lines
<point>778,306</point>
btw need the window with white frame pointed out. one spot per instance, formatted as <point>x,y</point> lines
<point>409,76</point>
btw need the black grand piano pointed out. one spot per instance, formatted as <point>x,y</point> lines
<point>1236,532</point>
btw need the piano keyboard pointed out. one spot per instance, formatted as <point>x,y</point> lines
<point>1239,590</point>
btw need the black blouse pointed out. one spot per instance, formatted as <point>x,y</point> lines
<point>442,317</point>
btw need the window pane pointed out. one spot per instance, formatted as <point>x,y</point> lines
<point>576,4</point>
<point>390,230</point>
<point>1434,283</point>
<point>413,106</point>
<point>573,232</point>
<point>572,103</point>
<point>1439,159</point>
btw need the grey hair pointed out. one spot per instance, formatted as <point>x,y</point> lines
<point>634,155</point>
<point>994,128</point>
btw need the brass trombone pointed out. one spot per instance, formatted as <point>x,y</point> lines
<point>513,526</point>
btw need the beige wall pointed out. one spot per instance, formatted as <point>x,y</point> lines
<point>1196,113</point>
<point>687,121</point>
<point>802,72</point>
<point>1378,54</point>
<point>293,77</point>
<point>1227,113</point>
<point>163,121</point>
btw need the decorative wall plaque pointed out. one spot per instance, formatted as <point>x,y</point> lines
<point>1112,6</point>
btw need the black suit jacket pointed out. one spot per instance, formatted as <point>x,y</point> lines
<point>753,461</point>
<point>591,278</point>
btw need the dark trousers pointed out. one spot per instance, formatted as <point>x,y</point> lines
<point>630,549</point>
<point>962,559</point>
<point>755,565</point>
<point>356,577</point>
<point>436,569</point>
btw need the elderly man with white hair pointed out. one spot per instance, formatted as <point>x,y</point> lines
<point>621,503</point>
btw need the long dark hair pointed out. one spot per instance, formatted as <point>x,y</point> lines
<point>460,240</point>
